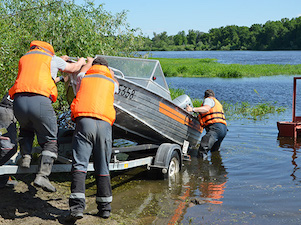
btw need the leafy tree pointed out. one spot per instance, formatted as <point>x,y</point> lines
<point>180,38</point>
<point>75,30</point>
<point>254,31</point>
<point>191,37</point>
<point>162,41</point>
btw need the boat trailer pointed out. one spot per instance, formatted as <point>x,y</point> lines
<point>291,129</point>
<point>167,158</point>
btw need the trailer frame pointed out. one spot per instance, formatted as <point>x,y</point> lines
<point>160,160</point>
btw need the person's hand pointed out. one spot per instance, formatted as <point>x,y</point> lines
<point>90,60</point>
<point>66,78</point>
<point>81,61</point>
<point>65,57</point>
<point>189,108</point>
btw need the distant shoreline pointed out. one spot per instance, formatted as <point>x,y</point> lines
<point>191,67</point>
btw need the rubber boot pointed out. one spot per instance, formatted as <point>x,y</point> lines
<point>25,161</point>
<point>26,140</point>
<point>44,171</point>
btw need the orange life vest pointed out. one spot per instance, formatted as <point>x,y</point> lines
<point>214,115</point>
<point>34,75</point>
<point>95,96</point>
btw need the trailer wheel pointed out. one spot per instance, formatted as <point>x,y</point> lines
<point>167,161</point>
<point>174,165</point>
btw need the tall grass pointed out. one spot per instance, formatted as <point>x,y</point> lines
<point>176,92</point>
<point>188,67</point>
<point>254,112</point>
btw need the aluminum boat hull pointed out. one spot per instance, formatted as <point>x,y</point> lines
<point>145,117</point>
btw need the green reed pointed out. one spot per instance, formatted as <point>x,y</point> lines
<point>188,67</point>
<point>254,112</point>
<point>239,110</point>
<point>176,92</point>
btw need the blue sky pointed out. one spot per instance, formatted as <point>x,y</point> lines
<point>173,16</point>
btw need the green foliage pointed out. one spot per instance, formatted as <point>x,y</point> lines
<point>197,102</point>
<point>273,35</point>
<point>245,110</point>
<point>229,74</point>
<point>176,92</point>
<point>188,67</point>
<point>74,30</point>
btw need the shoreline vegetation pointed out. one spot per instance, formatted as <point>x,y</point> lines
<point>239,110</point>
<point>206,67</point>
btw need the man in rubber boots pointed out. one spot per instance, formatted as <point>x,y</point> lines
<point>33,92</point>
<point>94,114</point>
<point>8,137</point>
<point>212,118</point>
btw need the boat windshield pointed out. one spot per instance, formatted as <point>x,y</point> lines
<point>145,72</point>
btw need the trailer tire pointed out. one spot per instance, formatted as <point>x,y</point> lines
<point>168,160</point>
<point>174,165</point>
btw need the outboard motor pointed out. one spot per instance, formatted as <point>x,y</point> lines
<point>182,101</point>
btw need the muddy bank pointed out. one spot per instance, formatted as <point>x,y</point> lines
<point>26,204</point>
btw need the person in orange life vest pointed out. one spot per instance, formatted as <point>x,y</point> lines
<point>212,118</point>
<point>94,114</point>
<point>33,92</point>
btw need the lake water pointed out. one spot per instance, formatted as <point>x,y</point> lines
<point>256,178</point>
<point>241,57</point>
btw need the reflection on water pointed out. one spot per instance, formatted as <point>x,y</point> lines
<point>203,182</point>
<point>138,195</point>
<point>211,181</point>
<point>295,145</point>
<point>214,179</point>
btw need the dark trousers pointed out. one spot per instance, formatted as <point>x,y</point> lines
<point>36,115</point>
<point>91,136</point>
<point>215,134</point>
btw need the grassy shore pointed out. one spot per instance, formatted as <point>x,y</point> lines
<point>189,67</point>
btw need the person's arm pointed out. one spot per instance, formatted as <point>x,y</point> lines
<point>88,65</point>
<point>207,105</point>
<point>116,83</point>
<point>74,67</point>
<point>79,78</point>
<point>64,57</point>
<point>83,71</point>
<point>62,78</point>
<point>202,109</point>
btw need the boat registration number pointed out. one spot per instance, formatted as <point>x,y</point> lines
<point>126,92</point>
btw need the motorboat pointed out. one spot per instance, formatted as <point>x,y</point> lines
<point>145,112</point>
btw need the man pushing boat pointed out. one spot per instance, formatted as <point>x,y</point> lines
<point>212,118</point>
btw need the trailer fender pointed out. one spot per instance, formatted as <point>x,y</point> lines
<point>164,155</point>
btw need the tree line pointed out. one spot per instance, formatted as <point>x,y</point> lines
<point>74,30</point>
<point>273,35</point>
